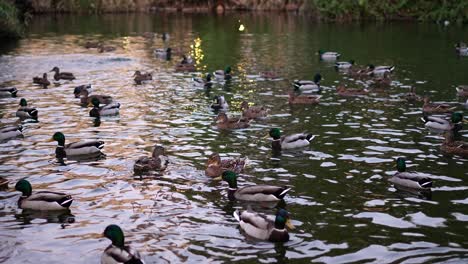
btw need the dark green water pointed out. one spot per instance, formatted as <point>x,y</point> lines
<point>344,208</point>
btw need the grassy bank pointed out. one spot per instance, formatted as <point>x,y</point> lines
<point>10,24</point>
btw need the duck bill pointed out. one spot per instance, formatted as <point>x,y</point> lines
<point>51,139</point>
<point>219,178</point>
<point>290,225</point>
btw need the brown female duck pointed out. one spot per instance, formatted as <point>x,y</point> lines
<point>216,166</point>
<point>303,99</point>
<point>253,112</point>
<point>412,96</point>
<point>223,122</point>
<point>103,48</point>
<point>450,146</point>
<point>44,82</point>
<point>429,107</point>
<point>349,92</point>
<point>86,99</point>
<point>62,75</point>
<point>156,163</point>
<point>141,77</point>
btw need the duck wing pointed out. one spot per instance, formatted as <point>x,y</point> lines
<point>63,199</point>
<point>77,145</point>
<point>255,219</point>
<point>277,191</point>
<point>297,137</point>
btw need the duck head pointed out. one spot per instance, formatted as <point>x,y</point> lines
<point>59,137</point>
<point>95,102</point>
<point>231,178</point>
<point>222,118</point>
<point>214,159</point>
<point>115,234</point>
<point>457,117</point>
<point>44,76</point>
<point>208,77</point>
<point>282,219</point>
<point>158,151</point>
<point>275,133</point>
<point>137,73</point>
<point>23,102</point>
<point>244,105</point>
<point>227,70</point>
<point>371,67</point>
<point>320,52</point>
<point>317,78</point>
<point>401,164</point>
<point>351,62</point>
<point>55,69</point>
<point>24,186</point>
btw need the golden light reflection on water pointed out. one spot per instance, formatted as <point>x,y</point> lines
<point>196,52</point>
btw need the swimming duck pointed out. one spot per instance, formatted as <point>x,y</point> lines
<point>254,193</point>
<point>253,112</point>
<point>165,36</point>
<point>223,75</point>
<point>163,53</point>
<point>223,122</point>
<point>26,112</point>
<point>106,110</point>
<point>8,91</point>
<point>185,68</point>
<point>328,55</point>
<point>141,77</point>
<point>216,166</point>
<point>87,148</point>
<point>303,99</point>
<point>62,75</point>
<point>260,227</point>
<point>411,96</point>
<point>308,86</point>
<point>220,104</point>
<point>341,90</point>
<point>156,163</point>
<point>10,132</point>
<point>103,48</point>
<point>429,107</point>
<point>43,201</point>
<point>203,83</point>
<point>450,146</point>
<point>269,75</point>
<point>44,82</point>
<point>298,140</point>
<point>461,49</point>
<point>382,81</point>
<point>118,252</point>
<point>78,89</point>
<point>379,70</point>
<point>86,99</point>
<point>462,90</point>
<point>344,65</point>
<point>92,45</point>
<point>409,179</point>
<point>440,124</point>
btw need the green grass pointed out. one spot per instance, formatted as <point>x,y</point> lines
<point>10,25</point>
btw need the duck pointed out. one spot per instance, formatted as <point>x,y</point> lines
<point>42,201</point>
<point>220,104</point>
<point>379,70</point>
<point>382,81</point>
<point>253,112</point>
<point>328,55</point>
<point>253,193</point>
<point>462,90</point>
<point>303,99</point>
<point>62,75</point>
<point>185,67</point>
<point>86,148</point>
<point>269,75</point>
<point>163,53</point>
<point>440,124</point>
<point>409,180</point>
<point>165,36</point>
<point>293,141</point>
<point>156,163</point>
<point>203,83</point>
<point>308,86</point>
<point>10,132</point>
<point>260,227</point>
<point>106,110</point>
<point>26,112</point>
<point>461,49</point>
<point>8,91</point>
<point>359,72</point>
<point>103,48</point>
<point>77,90</point>
<point>341,90</point>
<point>223,122</point>
<point>344,65</point>
<point>118,252</point>
<point>92,45</point>
<point>216,166</point>
<point>223,75</point>
<point>141,77</point>
<point>86,99</point>
<point>429,107</point>
<point>411,96</point>
<point>450,146</point>
<point>43,81</point>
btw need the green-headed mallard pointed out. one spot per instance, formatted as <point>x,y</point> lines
<point>308,86</point>
<point>106,110</point>
<point>344,65</point>
<point>303,98</point>
<point>156,163</point>
<point>118,252</point>
<point>215,166</point>
<point>450,146</point>
<point>86,148</point>
<point>62,75</point>
<point>328,55</point>
<point>26,112</point>
<point>8,91</point>
<point>219,104</point>
<point>203,83</point>
<point>260,227</point>
<point>341,90</point>
<point>462,90</point>
<point>253,112</point>
<point>142,77</point>
<point>43,81</point>
<point>440,124</point>
<point>10,132</point>
<point>223,75</point>
<point>41,200</point>
<point>409,179</point>
<point>77,90</point>
<point>293,141</point>
<point>379,70</point>
<point>223,122</point>
<point>164,54</point>
<point>254,193</point>
<point>429,107</point>
<point>86,99</point>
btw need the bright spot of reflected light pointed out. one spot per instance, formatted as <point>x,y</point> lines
<point>241,27</point>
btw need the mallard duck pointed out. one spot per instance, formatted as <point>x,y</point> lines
<point>254,193</point>
<point>203,83</point>
<point>141,77</point>
<point>308,86</point>
<point>10,132</point>
<point>87,148</point>
<point>269,75</point>
<point>341,90</point>
<point>461,49</point>
<point>223,122</point>
<point>382,81</point>
<point>185,68</point>
<point>156,163</point>
<point>450,146</point>
<point>92,45</point>
<point>103,48</point>
<point>409,179</point>
<point>26,112</point>
<point>86,99</point>
<point>298,140</point>
<point>223,75</point>
<point>379,70</point>
<point>216,166</point>
<point>303,99</point>
<point>106,110</point>
<point>44,82</point>
<point>8,91</point>
<point>43,201</point>
<point>328,55</point>
<point>78,89</point>
<point>118,252</point>
<point>260,227</point>
<point>253,112</point>
<point>429,107</point>
<point>440,124</point>
<point>220,104</point>
<point>462,90</point>
<point>163,53</point>
<point>62,75</point>
<point>344,65</point>
<point>411,96</point>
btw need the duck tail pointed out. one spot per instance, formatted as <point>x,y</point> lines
<point>236,215</point>
<point>66,201</point>
<point>310,137</point>
<point>283,193</point>
<point>425,183</point>
<point>391,68</point>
